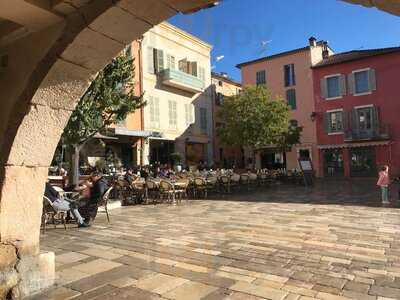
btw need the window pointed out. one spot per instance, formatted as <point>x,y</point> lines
<point>219,99</point>
<point>203,120</point>
<point>291,98</point>
<point>361,82</point>
<point>128,51</point>
<point>170,62</point>
<point>220,83</point>
<point>202,74</point>
<point>189,114</point>
<point>150,60</point>
<point>172,114</point>
<point>260,78</point>
<point>158,60</point>
<point>334,121</point>
<point>333,87</point>
<point>289,75</point>
<point>364,118</point>
<point>154,107</point>
<point>293,123</point>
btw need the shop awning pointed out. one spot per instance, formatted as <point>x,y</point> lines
<point>104,137</point>
<point>136,133</point>
<point>354,145</point>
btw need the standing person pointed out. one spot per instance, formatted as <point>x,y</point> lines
<point>63,205</point>
<point>384,182</point>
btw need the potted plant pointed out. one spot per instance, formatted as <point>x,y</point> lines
<point>176,159</point>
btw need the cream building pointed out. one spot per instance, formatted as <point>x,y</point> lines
<point>176,81</point>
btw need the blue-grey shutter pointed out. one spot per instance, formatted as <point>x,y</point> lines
<point>372,80</point>
<point>327,122</point>
<point>345,121</point>
<point>324,88</point>
<point>150,60</point>
<point>293,75</point>
<point>375,118</point>
<point>343,86</point>
<point>350,81</point>
<point>354,119</point>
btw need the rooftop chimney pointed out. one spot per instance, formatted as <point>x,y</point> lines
<point>313,41</point>
<point>224,74</point>
<point>325,51</point>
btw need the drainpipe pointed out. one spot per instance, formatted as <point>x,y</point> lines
<point>142,141</point>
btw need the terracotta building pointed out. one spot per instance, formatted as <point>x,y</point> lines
<point>223,87</point>
<point>289,75</point>
<point>357,112</point>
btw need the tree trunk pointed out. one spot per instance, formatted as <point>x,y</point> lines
<point>284,160</point>
<point>75,165</point>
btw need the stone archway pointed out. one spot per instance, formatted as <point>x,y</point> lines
<point>49,53</point>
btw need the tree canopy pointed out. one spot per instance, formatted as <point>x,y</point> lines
<point>108,100</point>
<point>255,118</point>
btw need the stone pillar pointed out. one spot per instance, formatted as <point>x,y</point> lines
<point>146,152</point>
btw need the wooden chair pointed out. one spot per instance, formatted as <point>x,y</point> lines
<point>104,202</point>
<point>200,186</point>
<point>152,191</point>
<point>182,189</point>
<point>212,184</point>
<point>167,190</point>
<point>235,181</point>
<point>49,213</point>
<point>245,181</point>
<point>253,180</point>
<point>225,184</point>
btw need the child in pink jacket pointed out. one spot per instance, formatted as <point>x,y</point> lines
<point>384,182</point>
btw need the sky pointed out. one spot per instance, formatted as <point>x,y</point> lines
<point>243,30</point>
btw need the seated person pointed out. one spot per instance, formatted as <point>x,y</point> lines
<point>130,176</point>
<point>98,187</point>
<point>63,205</point>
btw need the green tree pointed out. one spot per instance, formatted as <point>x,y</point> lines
<point>108,100</point>
<point>254,119</point>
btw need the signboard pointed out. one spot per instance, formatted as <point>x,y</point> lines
<point>307,169</point>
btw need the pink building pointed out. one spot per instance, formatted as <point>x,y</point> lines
<point>289,75</point>
<point>357,107</point>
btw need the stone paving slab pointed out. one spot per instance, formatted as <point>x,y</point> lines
<point>289,243</point>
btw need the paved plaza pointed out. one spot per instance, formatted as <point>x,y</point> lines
<point>331,242</point>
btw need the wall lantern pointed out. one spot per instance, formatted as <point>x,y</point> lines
<point>313,116</point>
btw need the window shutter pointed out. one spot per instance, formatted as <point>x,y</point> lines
<point>168,61</point>
<point>291,98</point>
<point>327,122</point>
<point>351,82</point>
<point>150,60</point>
<point>194,68</point>
<point>375,118</point>
<point>354,119</point>
<point>345,120</point>
<point>343,87</point>
<point>160,60</point>
<point>293,75</point>
<point>286,75</point>
<point>372,80</point>
<point>324,88</point>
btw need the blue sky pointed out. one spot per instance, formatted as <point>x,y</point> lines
<point>237,28</point>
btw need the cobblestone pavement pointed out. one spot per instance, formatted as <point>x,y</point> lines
<point>281,243</point>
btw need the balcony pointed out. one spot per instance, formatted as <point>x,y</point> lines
<point>181,80</point>
<point>377,133</point>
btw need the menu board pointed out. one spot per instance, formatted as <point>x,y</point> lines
<point>307,170</point>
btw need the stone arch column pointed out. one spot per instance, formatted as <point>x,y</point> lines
<point>65,58</point>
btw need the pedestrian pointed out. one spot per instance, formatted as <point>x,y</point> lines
<point>383,183</point>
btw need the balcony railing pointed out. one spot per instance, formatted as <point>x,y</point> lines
<point>181,80</point>
<point>377,133</point>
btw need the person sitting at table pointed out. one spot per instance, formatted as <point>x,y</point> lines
<point>130,176</point>
<point>97,187</point>
<point>63,204</point>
